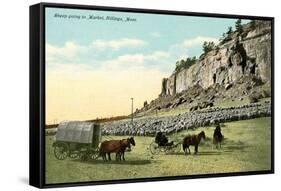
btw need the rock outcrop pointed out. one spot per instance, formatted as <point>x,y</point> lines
<point>245,54</point>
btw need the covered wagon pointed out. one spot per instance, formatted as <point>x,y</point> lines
<point>77,139</point>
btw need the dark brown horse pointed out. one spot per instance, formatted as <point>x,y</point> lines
<point>192,140</point>
<point>217,137</point>
<point>116,146</point>
<point>125,143</point>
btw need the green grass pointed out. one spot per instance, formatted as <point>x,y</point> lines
<point>246,148</point>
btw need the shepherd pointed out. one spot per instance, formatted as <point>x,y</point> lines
<point>192,140</point>
<point>217,137</point>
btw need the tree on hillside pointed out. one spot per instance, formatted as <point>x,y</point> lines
<point>229,31</point>
<point>222,39</point>
<point>238,26</point>
<point>252,24</point>
<point>208,46</point>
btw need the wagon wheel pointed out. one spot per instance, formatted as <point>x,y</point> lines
<point>95,154</point>
<point>169,149</point>
<point>154,148</point>
<point>61,151</point>
<point>84,156</point>
<point>89,154</point>
<point>74,155</point>
<point>173,149</point>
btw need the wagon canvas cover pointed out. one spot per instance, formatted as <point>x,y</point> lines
<point>75,131</point>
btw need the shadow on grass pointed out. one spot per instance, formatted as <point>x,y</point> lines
<point>226,149</point>
<point>235,146</point>
<point>126,162</point>
<point>175,153</point>
<point>213,152</point>
<point>232,148</point>
<point>239,146</point>
<point>209,153</point>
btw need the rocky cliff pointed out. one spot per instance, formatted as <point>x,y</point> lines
<point>242,55</point>
<point>231,82</point>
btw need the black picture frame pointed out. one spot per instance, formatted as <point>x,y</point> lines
<point>37,93</point>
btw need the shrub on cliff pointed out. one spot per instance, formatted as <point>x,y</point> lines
<point>185,63</point>
<point>208,46</point>
<point>226,36</point>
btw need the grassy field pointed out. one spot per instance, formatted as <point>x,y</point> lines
<point>246,148</point>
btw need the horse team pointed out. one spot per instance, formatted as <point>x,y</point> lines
<point>120,146</point>
<point>116,146</point>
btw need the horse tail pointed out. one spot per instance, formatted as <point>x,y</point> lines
<point>183,146</point>
<point>101,150</point>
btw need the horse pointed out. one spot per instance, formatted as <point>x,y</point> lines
<point>217,137</point>
<point>115,146</point>
<point>125,143</point>
<point>192,140</point>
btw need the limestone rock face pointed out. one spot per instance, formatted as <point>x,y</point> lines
<point>244,54</point>
<point>171,85</point>
<point>164,87</point>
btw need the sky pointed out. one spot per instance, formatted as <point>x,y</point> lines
<point>94,65</point>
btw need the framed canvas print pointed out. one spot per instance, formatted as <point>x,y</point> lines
<point>126,95</point>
